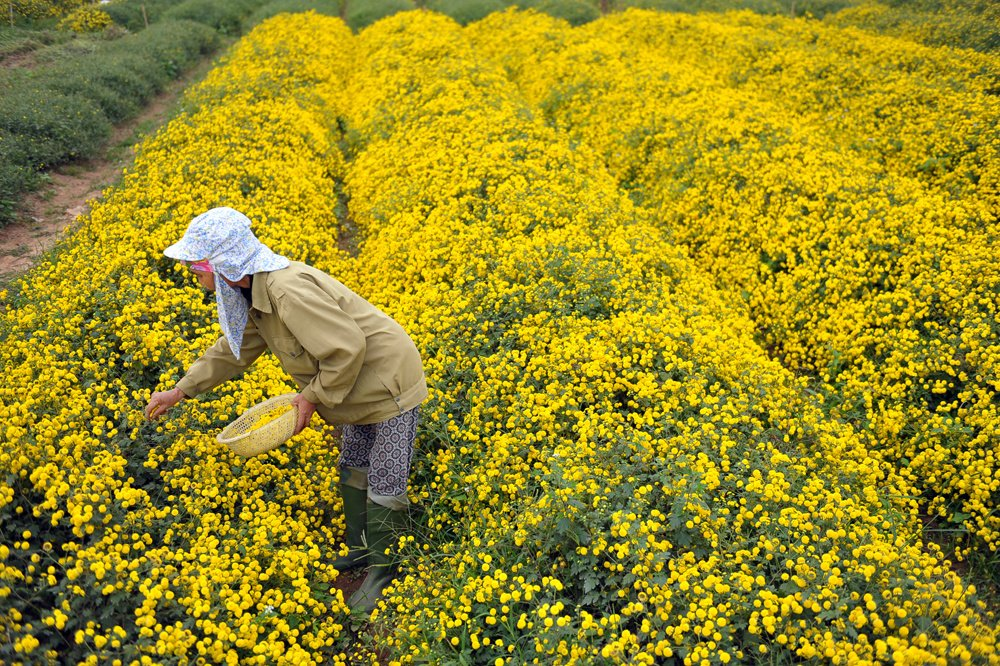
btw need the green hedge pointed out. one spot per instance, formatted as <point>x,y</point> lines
<point>129,13</point>
<point>15,41</point>
<point>576,12</point>
<point>63,112</point>
<point>40,128</point>
<point>694,6</point>
<point>971,26</point>
<point>362,14</point>
<point>466,11</point>
<point>816,8</point>
<point>226,17</point>
<point>275,7</point>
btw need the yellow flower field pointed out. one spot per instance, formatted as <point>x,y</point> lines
<point>610,468</point>
<point>846,187</point>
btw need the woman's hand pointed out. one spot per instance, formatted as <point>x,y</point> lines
<point>161,401</point>
<point>305,410</point>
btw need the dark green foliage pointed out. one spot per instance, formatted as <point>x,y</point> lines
<point>177,45</point>
<point>466,11</point>
<point>576,12</point>
<point>14,178</point>
<point>815,8</point>
<point>362,14</point>
<point>694,6</point>
<point>958,6</point>
<point>121,77</point>
<point>818,8</point>
<point>119,86</point>
<point>16,41</point>
<point>969,24</point>
<point>275,7</point>
<point>226,17</point>
<point>129,13</point>
<point>43,127</point>
<point>39,128</point>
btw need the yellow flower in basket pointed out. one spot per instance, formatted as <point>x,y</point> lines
<point>262,427</point>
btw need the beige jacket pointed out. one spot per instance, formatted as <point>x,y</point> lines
<point>348,357</point>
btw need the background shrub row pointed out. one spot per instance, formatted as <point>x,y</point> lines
<point>614,472</point>
<point>65,111</point>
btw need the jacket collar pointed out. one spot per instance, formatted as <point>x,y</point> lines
<point>258,293</point>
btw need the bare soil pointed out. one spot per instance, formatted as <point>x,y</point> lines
<point>48,214</point>
<point>20,59</point>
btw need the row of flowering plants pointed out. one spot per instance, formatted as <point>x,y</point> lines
<point>609,468</point>
<point>123,541</point>
<point>969,24</point>
<point>845,186</point>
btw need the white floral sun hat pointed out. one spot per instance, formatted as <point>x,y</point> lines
<point>222,236</point>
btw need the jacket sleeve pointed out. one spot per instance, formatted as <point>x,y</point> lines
<point>218,364</point>
<point>330,335</point>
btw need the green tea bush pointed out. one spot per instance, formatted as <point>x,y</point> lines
<point>275,7</point>
<point>177,44</point>
<point>691,7</point>
<point>956,6</point>
<point>45,128</point>
<point>16,40</point>
<point>123,76</point>
<point>360,15</point>
<point>113,82</point>
<point>577,12</point>
<point>14,177</point>
<point>819,8</point>
<point>466,11</point>
<point>129,13</point>
<point>815,8</point>
<point>226,17</point>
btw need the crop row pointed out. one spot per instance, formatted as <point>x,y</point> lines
<point>614,471</point>
<point>969,24</point>
<point>126,540</point>
<point>847,189</point>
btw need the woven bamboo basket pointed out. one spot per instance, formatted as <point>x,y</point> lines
<point>261,428</point>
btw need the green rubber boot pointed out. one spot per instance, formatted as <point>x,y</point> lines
<point>385,526</point>
<point>355,516</point>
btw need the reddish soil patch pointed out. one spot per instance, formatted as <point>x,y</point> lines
<point>20,59</point>
<point>349,581</point>
<point>46,215</point>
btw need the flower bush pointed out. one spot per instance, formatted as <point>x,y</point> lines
<point>845,190</point>
<point>86,19</point>
<point>615,471</point>
<point>134,541</point>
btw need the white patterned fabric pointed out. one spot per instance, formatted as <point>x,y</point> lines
<point>223,237</point>
<point>386,450</point>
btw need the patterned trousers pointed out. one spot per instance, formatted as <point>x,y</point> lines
<point>384,450</point>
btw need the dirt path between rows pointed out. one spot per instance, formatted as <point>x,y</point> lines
<point>45,215</point>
